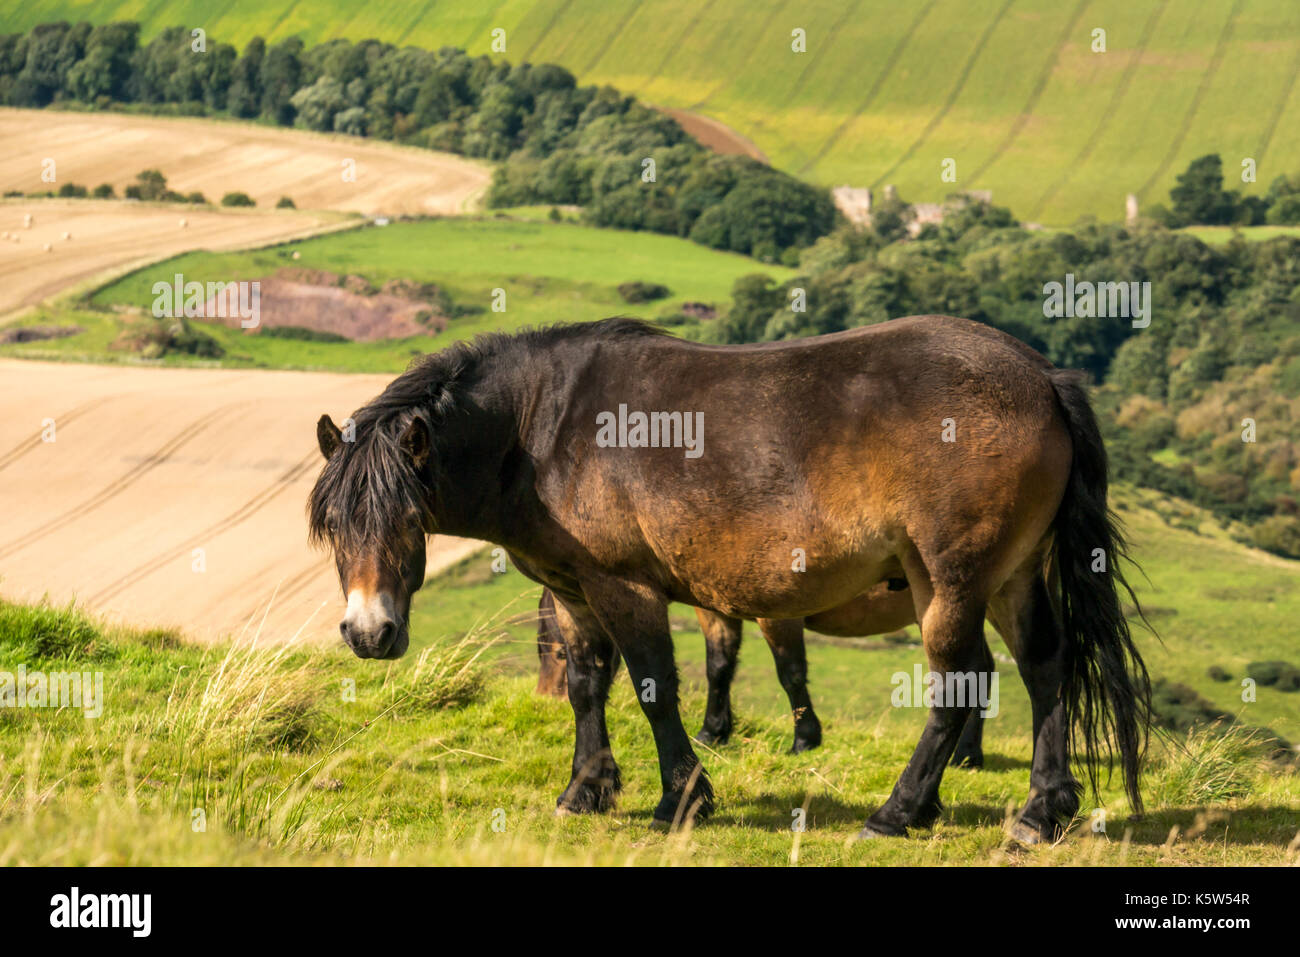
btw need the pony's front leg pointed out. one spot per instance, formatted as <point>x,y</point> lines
<point>589,665</point>
<point>636,616</point>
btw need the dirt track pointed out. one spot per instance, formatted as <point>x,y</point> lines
<point>147,465</point>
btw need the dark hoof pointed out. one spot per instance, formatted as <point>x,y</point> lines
<point>968,759</point>
<point>805,744</point>
<point>713,738</point>
<point>595,795</point>
<point>874,829</point>
<point>807,731</point>
<point>682,805</point>
<point>1031,830</point>
<point>1048,813</point>
<point>1022,832</point>
<point>892,820</point>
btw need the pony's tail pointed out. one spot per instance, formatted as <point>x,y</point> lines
<point>1107,690</point>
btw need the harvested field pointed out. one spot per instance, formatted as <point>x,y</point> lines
<point>173,497</point>
<point>216,157</point>
<point>107,236</point>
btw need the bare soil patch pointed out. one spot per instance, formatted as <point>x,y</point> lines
<point>345,306</point>
<point>715,135</point>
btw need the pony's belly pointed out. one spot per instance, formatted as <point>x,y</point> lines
<point>795,588</point>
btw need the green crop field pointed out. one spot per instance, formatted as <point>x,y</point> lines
<point>231,755</point>
<point>1011,90</point>
<point>551,272</point>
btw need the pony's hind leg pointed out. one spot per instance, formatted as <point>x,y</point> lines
<point>590,660</point>
<point>722,648</point>
<point>952,623</point>
<point>970,746</point>
<point>1022,612</point>
<point>785,638</point>
<point>552,676</point>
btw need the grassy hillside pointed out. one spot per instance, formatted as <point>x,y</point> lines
<point>551,272</point>
<point>1010,89</point>
<point>436,748</point>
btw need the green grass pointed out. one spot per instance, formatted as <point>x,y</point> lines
<point>432,751</point>
<point>1010,89</point>
<point>551,272</point>
<point>1221,235</point>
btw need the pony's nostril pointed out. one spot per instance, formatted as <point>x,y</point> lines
<point>386,636</point>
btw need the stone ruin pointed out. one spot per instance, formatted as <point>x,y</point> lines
<point>855,203</point>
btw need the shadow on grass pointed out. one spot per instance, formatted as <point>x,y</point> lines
<point>1244,826</point>
<point>1240,826</point>
<point>1000,762</point>
<point>775,811</point>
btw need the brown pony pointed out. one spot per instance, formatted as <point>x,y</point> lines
<point>624,469</point>
<point>886,607</point>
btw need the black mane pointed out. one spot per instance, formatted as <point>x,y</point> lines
<point>371,484</point>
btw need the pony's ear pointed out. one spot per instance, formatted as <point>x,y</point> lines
<point>328,436</point>
<point>415,441</point>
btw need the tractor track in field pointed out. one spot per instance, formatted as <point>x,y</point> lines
<point>416,21</point>
<point>676,47</point>
<point>484,24</point>
<point>754,51</point>
<point>1121,91</point>
<point>633,9</point>
<point>1216,60</point>
<point>812,63</point>
<point>953,95</point>
<point>1040,87</point>
<point>885,71</point>
<point>559,12</point>
<point>1282,102</point>
<point>284,590</point>
<point>284,15</point>
<point>241,514</point>
<point>35,441</point>
<point>121,484</point>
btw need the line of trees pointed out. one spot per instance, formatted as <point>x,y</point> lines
<point>557,143</point>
